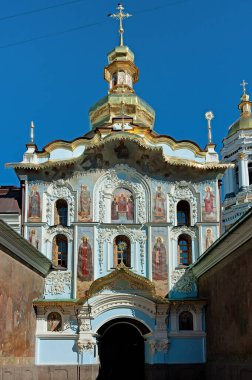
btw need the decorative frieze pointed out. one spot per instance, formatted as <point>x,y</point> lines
<point>85,345</point>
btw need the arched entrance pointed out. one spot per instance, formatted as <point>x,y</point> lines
<point>121,350</point>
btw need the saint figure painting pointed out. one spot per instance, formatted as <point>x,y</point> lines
<point>85,267</point>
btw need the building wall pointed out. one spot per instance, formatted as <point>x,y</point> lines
<point>19,285</point>
<point>228,288</point>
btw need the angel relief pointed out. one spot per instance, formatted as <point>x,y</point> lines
<point>122,206</point>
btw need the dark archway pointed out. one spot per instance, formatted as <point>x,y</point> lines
<point>121,351</point>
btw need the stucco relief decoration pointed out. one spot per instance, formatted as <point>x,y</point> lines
<point>181,191</point>
<point>175,232</point>
<point>159,345</point>
<point>57,283</point>
<point>111,182</point>
<point>85,345</point>
<point>60,230</point>
<point>183,281</point>
<point>59,190</point>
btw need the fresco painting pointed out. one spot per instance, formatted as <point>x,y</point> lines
<point>209,236</point>
<point>85,260</point>
<point>209,212</point>
<point>18,318</point>
<point>122,206</point>
<point>34,237</point>
<point>159,205</point>
<point>34,206</point>
<point>85,204</point>
<point>159,259</point>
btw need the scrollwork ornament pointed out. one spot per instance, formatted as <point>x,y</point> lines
<point>61,230</point>
<point>177,231</point>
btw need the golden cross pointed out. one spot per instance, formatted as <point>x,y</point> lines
<point>243,84</point>
<point>120,16</point>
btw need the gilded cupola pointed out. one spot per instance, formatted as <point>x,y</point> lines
<point>121,73</point>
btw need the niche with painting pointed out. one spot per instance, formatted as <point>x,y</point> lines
<point>122,206</point>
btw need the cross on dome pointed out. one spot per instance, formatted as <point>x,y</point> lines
<point>243,84</point>
<point>120,16</point>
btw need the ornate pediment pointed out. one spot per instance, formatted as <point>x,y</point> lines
<point>123,279</point>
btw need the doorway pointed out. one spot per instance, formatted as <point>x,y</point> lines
<point>121,350</point>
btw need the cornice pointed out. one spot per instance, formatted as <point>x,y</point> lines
<point>148,142</point>
<point>23,250</point>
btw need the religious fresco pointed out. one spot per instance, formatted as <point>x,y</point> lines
<point>159,205</point>
<point>159,259</point>
<point>54,322</point>
<point>209,211</point>
<point>159,254</point>
<point>34,237</point>
<point>85,204</point>
<point>209,235</point>
<point>122,206</point>
<point>85,260</point>
<point>34,205</point>
<point>18,318</point>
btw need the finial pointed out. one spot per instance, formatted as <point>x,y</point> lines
<point>32,132</point>
<point>209,116</point>
<point>120,16</point>
<point>243,84</point>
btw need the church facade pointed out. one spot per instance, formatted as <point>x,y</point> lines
<point>122,213</point>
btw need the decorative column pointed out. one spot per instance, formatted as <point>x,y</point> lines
<point>86,342</point>
<point>243,171</point>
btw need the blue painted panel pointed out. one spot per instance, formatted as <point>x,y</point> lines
<point>186,350</point>
<point>56,351</point>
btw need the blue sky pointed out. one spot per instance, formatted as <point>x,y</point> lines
<point>192,56</point>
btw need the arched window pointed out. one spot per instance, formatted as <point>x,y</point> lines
<point>54,322</point>
<point>122,206</point>
<point>250,172</point>
<point>121,77</point>
<point>121,248</point>
<point>185,320</point>
<point>183,213</point>
<point>60,212</point>
<point>184,250</point>
<point>114,80</point>
<point>59,254</point>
